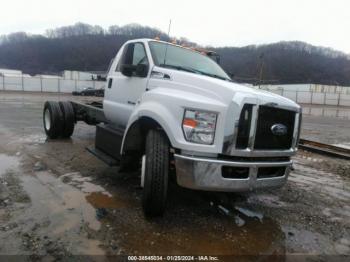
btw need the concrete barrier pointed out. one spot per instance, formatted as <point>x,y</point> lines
<point>50,85</point>
<point>32,84</point>
<point>45,84</point>
<point>14,83</point>
<point>2,83</point>
<point>67,86</point>
<point>344,100</point>
<point>312,94</point>
<point>300,93</point>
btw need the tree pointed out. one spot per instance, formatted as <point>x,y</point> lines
<point>87,47</point>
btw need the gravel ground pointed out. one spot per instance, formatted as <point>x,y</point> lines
<point>57,201</point>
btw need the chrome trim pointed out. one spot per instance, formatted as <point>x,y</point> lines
<point>249,151</point>
<point>230,140</point>
<point>290,108</point>
<point>257,153</point>
<point>295,131</point>
<point>253,125</point>
<point>234,163</point>
<point>198,154</point>
<point>160,75</point>
<point>206,174</point>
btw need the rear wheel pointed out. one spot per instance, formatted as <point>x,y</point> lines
<point>155,173</point>
<point>69,119</point>
<point>53,119</point>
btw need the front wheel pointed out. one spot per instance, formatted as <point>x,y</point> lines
<point>155,173</point>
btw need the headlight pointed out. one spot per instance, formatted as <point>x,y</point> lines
<point>199,126</point>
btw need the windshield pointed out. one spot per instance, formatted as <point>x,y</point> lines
<point>179,58</point>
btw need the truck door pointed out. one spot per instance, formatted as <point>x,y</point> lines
<point>126,84</point>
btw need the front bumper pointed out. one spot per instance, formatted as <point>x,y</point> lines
<point>207,174</point>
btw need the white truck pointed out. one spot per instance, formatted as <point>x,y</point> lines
<point>171,107</point>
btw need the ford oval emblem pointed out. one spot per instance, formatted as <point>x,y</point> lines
<point>279,129</point>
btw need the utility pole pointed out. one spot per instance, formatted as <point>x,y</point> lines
<point>261,57</point>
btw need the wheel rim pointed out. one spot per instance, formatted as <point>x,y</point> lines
<point>143,170</point>
<point>47,119</point>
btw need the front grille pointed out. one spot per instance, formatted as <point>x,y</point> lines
<point>265,139</point>
<point>244,125</point>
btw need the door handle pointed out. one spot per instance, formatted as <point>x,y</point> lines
<point>110,81</point>
<point>131,103</point>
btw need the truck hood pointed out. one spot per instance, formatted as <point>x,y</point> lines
<point>222,90</point>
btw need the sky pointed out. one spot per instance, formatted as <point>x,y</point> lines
<point>216,23</point>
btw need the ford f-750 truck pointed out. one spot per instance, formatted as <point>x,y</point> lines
<point>168,106</point>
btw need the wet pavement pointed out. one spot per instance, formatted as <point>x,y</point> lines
<point>58,200</point>
<point>340,112</point>
<point>327,124</point>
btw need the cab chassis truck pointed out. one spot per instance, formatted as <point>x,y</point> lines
<point>168,106</point>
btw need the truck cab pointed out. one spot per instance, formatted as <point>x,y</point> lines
<point>169,106</point>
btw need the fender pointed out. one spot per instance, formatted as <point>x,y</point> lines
<point>159,116</point>
<point>166,107</point>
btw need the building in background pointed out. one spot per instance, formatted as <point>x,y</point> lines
<point>78,75</point>
<point>10,72</point>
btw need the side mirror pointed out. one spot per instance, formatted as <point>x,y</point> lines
<point>141,70</point>
<point>127,70</point>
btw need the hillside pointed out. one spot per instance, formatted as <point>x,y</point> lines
<point>90,48</point>
<point>287,62</point>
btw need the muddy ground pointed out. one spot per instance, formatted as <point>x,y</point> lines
<point>58,201</point>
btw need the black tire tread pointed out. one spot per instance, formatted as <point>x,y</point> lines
<point>156,174</point>
<point>69,119</point>
<point>56,119</point>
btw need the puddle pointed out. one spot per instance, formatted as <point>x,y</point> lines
<point>220,230</point>
<point>7,163</point>
<point>28,139</point>
<point>70,203</point>
<point>83,183</point>
<point>61,211</point>
<point>338,112</point>
<point>96,195</point>
<point>60,200</point>
<point>101,200</point>
<point>219,237</point>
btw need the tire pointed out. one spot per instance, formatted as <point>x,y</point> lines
<point>52,119</point>
<point>156,174</point>
<point>68,117</point>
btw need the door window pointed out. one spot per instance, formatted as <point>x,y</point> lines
<point>134,54</point>
<point>139,55</point>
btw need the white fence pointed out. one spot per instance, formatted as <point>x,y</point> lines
<point>42,84</point>
<point>300,93</point>
<point>312,94</point>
